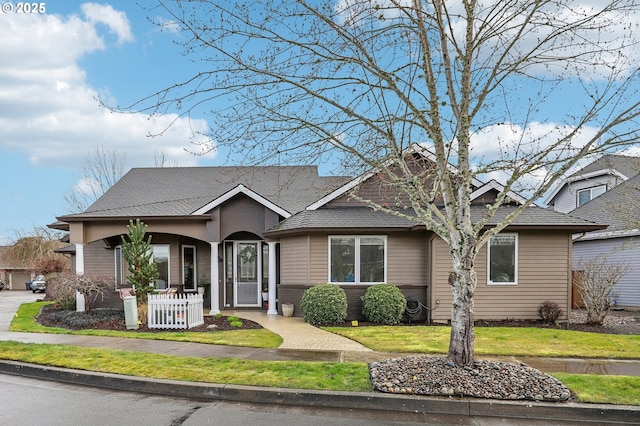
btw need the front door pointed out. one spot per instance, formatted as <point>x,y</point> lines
<point>248,270</point>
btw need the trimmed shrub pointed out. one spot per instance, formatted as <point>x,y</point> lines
<point>324,304</point>
<point>549,311</point>
<point>384,304</point>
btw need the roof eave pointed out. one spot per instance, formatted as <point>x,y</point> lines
<point>96,218</point>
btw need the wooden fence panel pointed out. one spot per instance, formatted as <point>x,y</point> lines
<point>175,311</point>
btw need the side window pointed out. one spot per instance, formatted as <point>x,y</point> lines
<point>502,259</point>
<point>189,272</point>
<point>161,258</point>
<point>118,272</point>
<point>586,195</point>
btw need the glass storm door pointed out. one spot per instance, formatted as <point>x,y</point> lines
<point>248,267</point>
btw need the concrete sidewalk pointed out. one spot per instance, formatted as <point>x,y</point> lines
<point>300,342</point>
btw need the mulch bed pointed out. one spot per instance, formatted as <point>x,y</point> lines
<point>108,319</point>
<point>112,319</point>
<point>615,323</point>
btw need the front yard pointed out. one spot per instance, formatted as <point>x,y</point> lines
<point>503,341</point>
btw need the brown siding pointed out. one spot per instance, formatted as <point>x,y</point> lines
<point>294,260</point>
<point>242,214</point>
<point>543,274</point>
<point>99,260</point>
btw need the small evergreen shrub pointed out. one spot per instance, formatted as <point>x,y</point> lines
<point>324,304</point>
<point>549,311</point>
<point>234,321</point>
<point>383,303</point>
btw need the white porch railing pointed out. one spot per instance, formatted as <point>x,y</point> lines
<point>177,311</point>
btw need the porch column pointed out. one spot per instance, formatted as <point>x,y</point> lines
<point>215,280</point>
<point>79,259</point>
<point>273,309</point>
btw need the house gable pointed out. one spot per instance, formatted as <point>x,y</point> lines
<point>241,189</point>
<point>375,187</point>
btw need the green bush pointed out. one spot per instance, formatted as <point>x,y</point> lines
<point>383,303</point>
<point>324,304</point>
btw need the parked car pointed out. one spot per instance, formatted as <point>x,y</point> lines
<point>38,285</point>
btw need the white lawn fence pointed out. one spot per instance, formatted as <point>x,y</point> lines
<point>179,311</point>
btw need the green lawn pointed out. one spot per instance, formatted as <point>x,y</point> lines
<point>502,341</point>
<point>352,376</point>
<point>331,376</point>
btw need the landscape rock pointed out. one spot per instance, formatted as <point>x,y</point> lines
<point>487,379</point>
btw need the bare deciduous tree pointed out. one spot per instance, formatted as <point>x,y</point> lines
<point>596,281</point>
<point>516,89</point>
<point>37,251</point>
<point>100,171</point>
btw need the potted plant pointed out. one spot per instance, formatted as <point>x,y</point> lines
<point>201,288</point>
<point>287,309</point>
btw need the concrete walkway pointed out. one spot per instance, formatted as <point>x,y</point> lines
<point>297,334</point>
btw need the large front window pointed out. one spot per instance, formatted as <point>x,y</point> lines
<point>161,259</point>
<point>502,259</point>
<point>357,259</point>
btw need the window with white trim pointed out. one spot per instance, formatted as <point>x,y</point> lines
<point>161,258</point>
<point>189,272</point>
<point>586,195</point>
<point>358,259</point>
<point>118,270</point>
<point>502,259</point>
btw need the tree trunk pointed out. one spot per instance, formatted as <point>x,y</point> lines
<point>461,344</point>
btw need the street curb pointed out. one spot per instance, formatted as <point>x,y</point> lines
<point>574,412</point>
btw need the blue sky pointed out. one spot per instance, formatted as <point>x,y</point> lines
<point>54,66</point>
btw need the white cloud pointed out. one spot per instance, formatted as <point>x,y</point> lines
<point>167,25</point>
<point>50,112</point>
<point>116,21</point>
<point>511,140</point>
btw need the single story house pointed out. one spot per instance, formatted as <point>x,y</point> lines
<point>278,230</point>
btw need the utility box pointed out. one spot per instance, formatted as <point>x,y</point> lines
<point>80,305</point>
<point>130,312</point>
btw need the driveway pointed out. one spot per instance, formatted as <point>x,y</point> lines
<point>10,301</point>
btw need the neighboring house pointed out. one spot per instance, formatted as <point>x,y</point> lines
<point>14,277</point>
<point>285,229</point>
<point>607,191</point>
<point>620,242</point>
<point>591,181</point>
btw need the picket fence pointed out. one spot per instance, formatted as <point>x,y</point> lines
<point>175,311</point>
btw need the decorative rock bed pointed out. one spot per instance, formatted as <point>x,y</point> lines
<point>486,379</point>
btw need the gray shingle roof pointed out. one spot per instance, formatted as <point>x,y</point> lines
<point>365,218</point>
<point>619,207</point>
<point>628,166</point>
<point>178,191</point>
